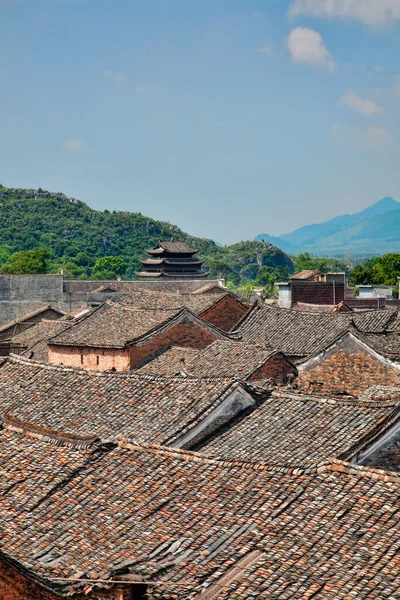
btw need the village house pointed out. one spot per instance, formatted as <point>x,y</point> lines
<point>302,334</point>
<point>295,429</point>
<point>225,359</point>
<point>175,411</point>
<point>353,363</point>
<point>122,337</point>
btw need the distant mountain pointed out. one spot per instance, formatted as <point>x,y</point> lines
<point>374,230</point>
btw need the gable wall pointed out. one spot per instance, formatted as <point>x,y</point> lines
<point>225,314</point>
<point>182,334</point>
<point>353,373</point>
<point>108,358</point>
<point>277,368</point>
<point>316,292</point>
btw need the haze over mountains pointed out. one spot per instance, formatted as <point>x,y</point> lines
<point>374,230</point>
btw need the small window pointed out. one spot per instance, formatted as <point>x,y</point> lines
<point>97,360</point>
<point>81,359</point>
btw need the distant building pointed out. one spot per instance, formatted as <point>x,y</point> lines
<point>174,260</point>
<point>312,287</point>
<point>375,291</point>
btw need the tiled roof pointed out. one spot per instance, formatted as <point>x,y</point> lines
<point>298,333</point>
<point>175,361</point>
<point>389,459</point>
<point>386,344</point>
<point>107,404</point>
<point>306,274</point>
<point>381,392</point>
<point>220,359</point>
<point>150,300</point>
<point>237,530</point>
<point>31,315</point>
<point>176,247</point>
<point>291,429</point>
<point>114,325</point>
<point>82,286</point>
<point>43,330</point>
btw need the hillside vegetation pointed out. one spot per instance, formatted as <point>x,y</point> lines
<point>45,232</point>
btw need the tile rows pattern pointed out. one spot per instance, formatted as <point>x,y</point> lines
<point>220,359</point>
<point>301,334</point>
<point>148,408</point>
<point>328,532</point>
<point>291,429</point>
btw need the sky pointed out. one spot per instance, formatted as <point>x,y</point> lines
<point>228,118</point>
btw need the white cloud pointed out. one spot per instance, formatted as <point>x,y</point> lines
<point>115,76</point>
<point>364,107</point>
<point>378,132</point>
<point>140,89</point>
<point>75,146</point>
<point>372,138</point>
<point>370,12</point>
<point>266,49</point>
<point>307,46</point>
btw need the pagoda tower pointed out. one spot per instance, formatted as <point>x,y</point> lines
<point>175,260</point>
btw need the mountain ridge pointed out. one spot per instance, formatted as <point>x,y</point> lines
<point>355,233</point>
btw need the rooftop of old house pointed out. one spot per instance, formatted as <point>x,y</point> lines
<point>220,359</point>
<point>302,333</point>
<point>293,429</point>
<point>116,325</point>
<point>197,527</point>
<point>89,403</point>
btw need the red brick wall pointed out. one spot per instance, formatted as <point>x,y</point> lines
<point>183,334</point>
<point>313,292</point>
<point>225,314</point>
<point>15,586</point>
<point>353,373</point>
<point>277,367</point>
<point>99,359</point>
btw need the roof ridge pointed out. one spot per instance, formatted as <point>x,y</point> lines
<point>327,466</point>
<point>336,400</point>
<point>60,438</point>
<point>19,359</point>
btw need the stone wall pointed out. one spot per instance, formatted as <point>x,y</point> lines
<point>278,367</point>
<point>22,294</point>
<point>187,335</point>
<point>225,314</point>
<point>97,359</point>
<point>353,373</point>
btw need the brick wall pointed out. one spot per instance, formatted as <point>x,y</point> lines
<point>353,373</point>
<point>14,585</point>
<point>315,292</point>
<point>187,335</point>
<point>225,313</point>
<point>98,359</point>
<point>277,367</point>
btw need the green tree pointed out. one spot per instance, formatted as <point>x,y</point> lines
<point>29,262</point>
<point>109,267</point>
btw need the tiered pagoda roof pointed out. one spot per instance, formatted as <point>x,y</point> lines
<point>172,259</point>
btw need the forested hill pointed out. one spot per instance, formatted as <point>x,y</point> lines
<point>78,237</point>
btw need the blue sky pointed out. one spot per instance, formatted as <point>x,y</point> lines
<point>226,117</point>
